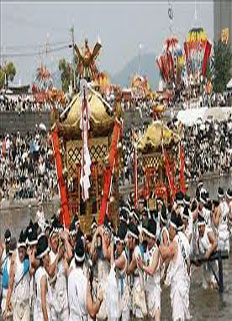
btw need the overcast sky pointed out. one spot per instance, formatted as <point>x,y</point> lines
<point>121,26</point>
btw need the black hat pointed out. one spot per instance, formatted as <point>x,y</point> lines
<point>80,234</point>
<point>122,231</point>
<point>174,222</point>
<point>55,228</point>
<point>32,236</point>
<point>220,192</point>
<point>123,214</point>
<point>207,196</point>
<point>22,239</point>
<point>7,236</point>
<point>36,226</point>
<point>47,226</point>
<point>42,247</point>
<point>151,228</point>
<point>186,213</point>
<point>179,198</point>
<point>163,216</point>
<point>72,229</point>
<point>79,250</point>
<point>200,183</point>
<point>145,226</point>
<point>12,245</point>
<point>133,230</point>
<point>30,227</point>
<point>229,194</point>
<point>194,205</point>
<point>216,203</point>
<point>187,200</point>
<point>94,224</point>
<point>200,220</point>
<point>53,218</point>
<point>159,200</point>
<point>203,197</point>
<point>76,220</point>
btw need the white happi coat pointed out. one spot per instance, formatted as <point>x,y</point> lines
<point>153,289</point>
<point>21,292</point>
<point>38,313</point>
<point>59,295</point>
<point>223,231</point>
<point>139,306</point>
<point>124,291</point>
<point>77,285</point>
<point>103,269</point>
<point>180,280</point>
<point>204,245</point>
<point>189,228</point>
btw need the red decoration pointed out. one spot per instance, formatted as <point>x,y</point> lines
<point>169,175</point>
<point>206,57</point>
<point>182,165</point>
<point>62,187</point>
<point>109,171</point>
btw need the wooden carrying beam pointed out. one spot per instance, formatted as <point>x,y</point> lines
<point>219,255</point>
<point>215,256</point>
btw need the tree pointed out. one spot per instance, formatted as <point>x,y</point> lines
<point>66,73</point>
<point>7,73</point>
<point>221,66</point>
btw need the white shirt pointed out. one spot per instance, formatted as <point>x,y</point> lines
<point>77,284</point>
<point>38,313</point>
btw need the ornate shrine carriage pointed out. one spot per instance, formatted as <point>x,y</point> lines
<point>85,142</point>
<point>162,158</point>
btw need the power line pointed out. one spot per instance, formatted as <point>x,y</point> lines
<point>36,53</point>
<point>9,47</point>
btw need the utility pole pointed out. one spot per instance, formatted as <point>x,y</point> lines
<point>139,67</point>
<point>73,60</point>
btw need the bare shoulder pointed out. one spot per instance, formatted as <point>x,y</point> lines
<point>173,247</point>
<point>13,258</point>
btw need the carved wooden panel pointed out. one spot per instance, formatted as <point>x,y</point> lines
<point>98,149</point>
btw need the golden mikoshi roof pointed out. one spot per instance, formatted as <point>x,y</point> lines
<point>101,123</point>
<point>152,138</point>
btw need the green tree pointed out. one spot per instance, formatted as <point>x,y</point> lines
<point>221,66</point>
<point>7,73</point>
<point>66,73</point>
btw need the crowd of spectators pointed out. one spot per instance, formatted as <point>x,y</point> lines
<point>22,103</point>
<point>208,148</point>
<point>27,168</point>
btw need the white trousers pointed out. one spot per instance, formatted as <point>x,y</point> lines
<point>21,312</point>
<point>61,316</point>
